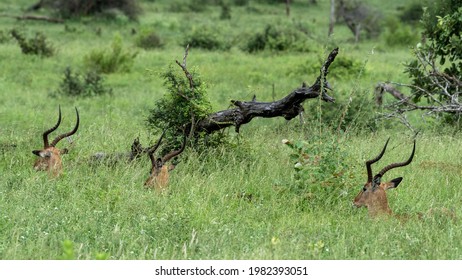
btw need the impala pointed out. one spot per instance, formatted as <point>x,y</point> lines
<point>50,156</point>
<point>373,195</point>
<point>159,175</point>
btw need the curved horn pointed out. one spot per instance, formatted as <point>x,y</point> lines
<point>45,134</point>
<point>170,155</point>
<point>57,139</point>
<point>152,149</point>
<point>370,162</point>
<point>394,165</point>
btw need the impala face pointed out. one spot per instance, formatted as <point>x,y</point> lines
<point>373,195</point>
<point>159,175</point>
<point>50,156</point>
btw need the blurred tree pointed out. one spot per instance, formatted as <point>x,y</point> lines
<point>78,8</point>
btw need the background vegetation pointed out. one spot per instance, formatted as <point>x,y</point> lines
<point>251,198</point>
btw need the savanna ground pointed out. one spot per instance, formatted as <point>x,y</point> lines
<point>245,200</point>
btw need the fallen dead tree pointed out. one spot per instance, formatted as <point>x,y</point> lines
<point>288,107</point>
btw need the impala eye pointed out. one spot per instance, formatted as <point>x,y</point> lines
<point>364,189</point>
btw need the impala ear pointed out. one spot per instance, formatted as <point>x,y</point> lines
<point>42,153</point>
<point>64,151</point>
<point>393,183</point>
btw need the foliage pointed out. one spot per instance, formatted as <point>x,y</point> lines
<point>278,38</point>
<point>4,36</point>
<point>223,203</point>
<point>436,70</point>
<point>37,45</point>
<point>412,13</point>
<point>148,39</point>
<point>225,12</point>
<point>344,68</point>
<point>68,250</point>
<point>397,34</point>
<point>78,85</point>
<point>204,38</point>
<point>79,8</point>
<point>181,105</point>
<point>117,59</point>
<point>321,168</point>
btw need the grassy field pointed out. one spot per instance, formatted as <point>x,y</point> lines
<point>239,201</point>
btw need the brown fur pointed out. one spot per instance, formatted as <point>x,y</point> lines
<point>158,179</point>
<point>49,160</point>
<point>375,199</point>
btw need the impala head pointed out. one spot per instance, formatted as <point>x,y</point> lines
<point>373,194</point>
<point>50,156</point>
<point>158,177</point>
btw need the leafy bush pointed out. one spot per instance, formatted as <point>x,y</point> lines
<point>397,34</point>
<point>204,38</point>
<point>174,111</point>
<point>412,13</point>
<point>344,68</point>
<point>278,38</point>
<point>117,59</point>
<point>76,85</point>
<point>38,45</point>
<point>148,40</point>
<point>442,24</point>
<point>321,169</point>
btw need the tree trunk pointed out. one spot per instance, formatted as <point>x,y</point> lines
<point>332,17</point>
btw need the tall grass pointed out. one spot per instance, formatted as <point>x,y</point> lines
<point>242,201</point>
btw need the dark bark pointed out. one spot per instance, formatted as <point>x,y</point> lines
<point>288,107</point>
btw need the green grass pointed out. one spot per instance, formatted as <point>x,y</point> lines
<point>232,202</point>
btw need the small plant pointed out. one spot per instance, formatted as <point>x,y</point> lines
<point>77,85</point>
<point>38,45</point>
<point>117,59</point>
<point>68,250</point>
<point>149,40</point>
<point>320,166</point>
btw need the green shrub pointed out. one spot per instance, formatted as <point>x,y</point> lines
<point>321,169</point>
<point>412,13</point>
<point>174,111</point>
<point>77,85</point>
<point>204,38</point>
<point>117,59</point>
<point>397,34</point>
<point>278,38</point>
<point>344,68</point>
<point>37,45</point>
<point>148,40</point>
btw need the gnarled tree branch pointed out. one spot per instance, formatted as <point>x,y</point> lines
<point>288,107</point>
